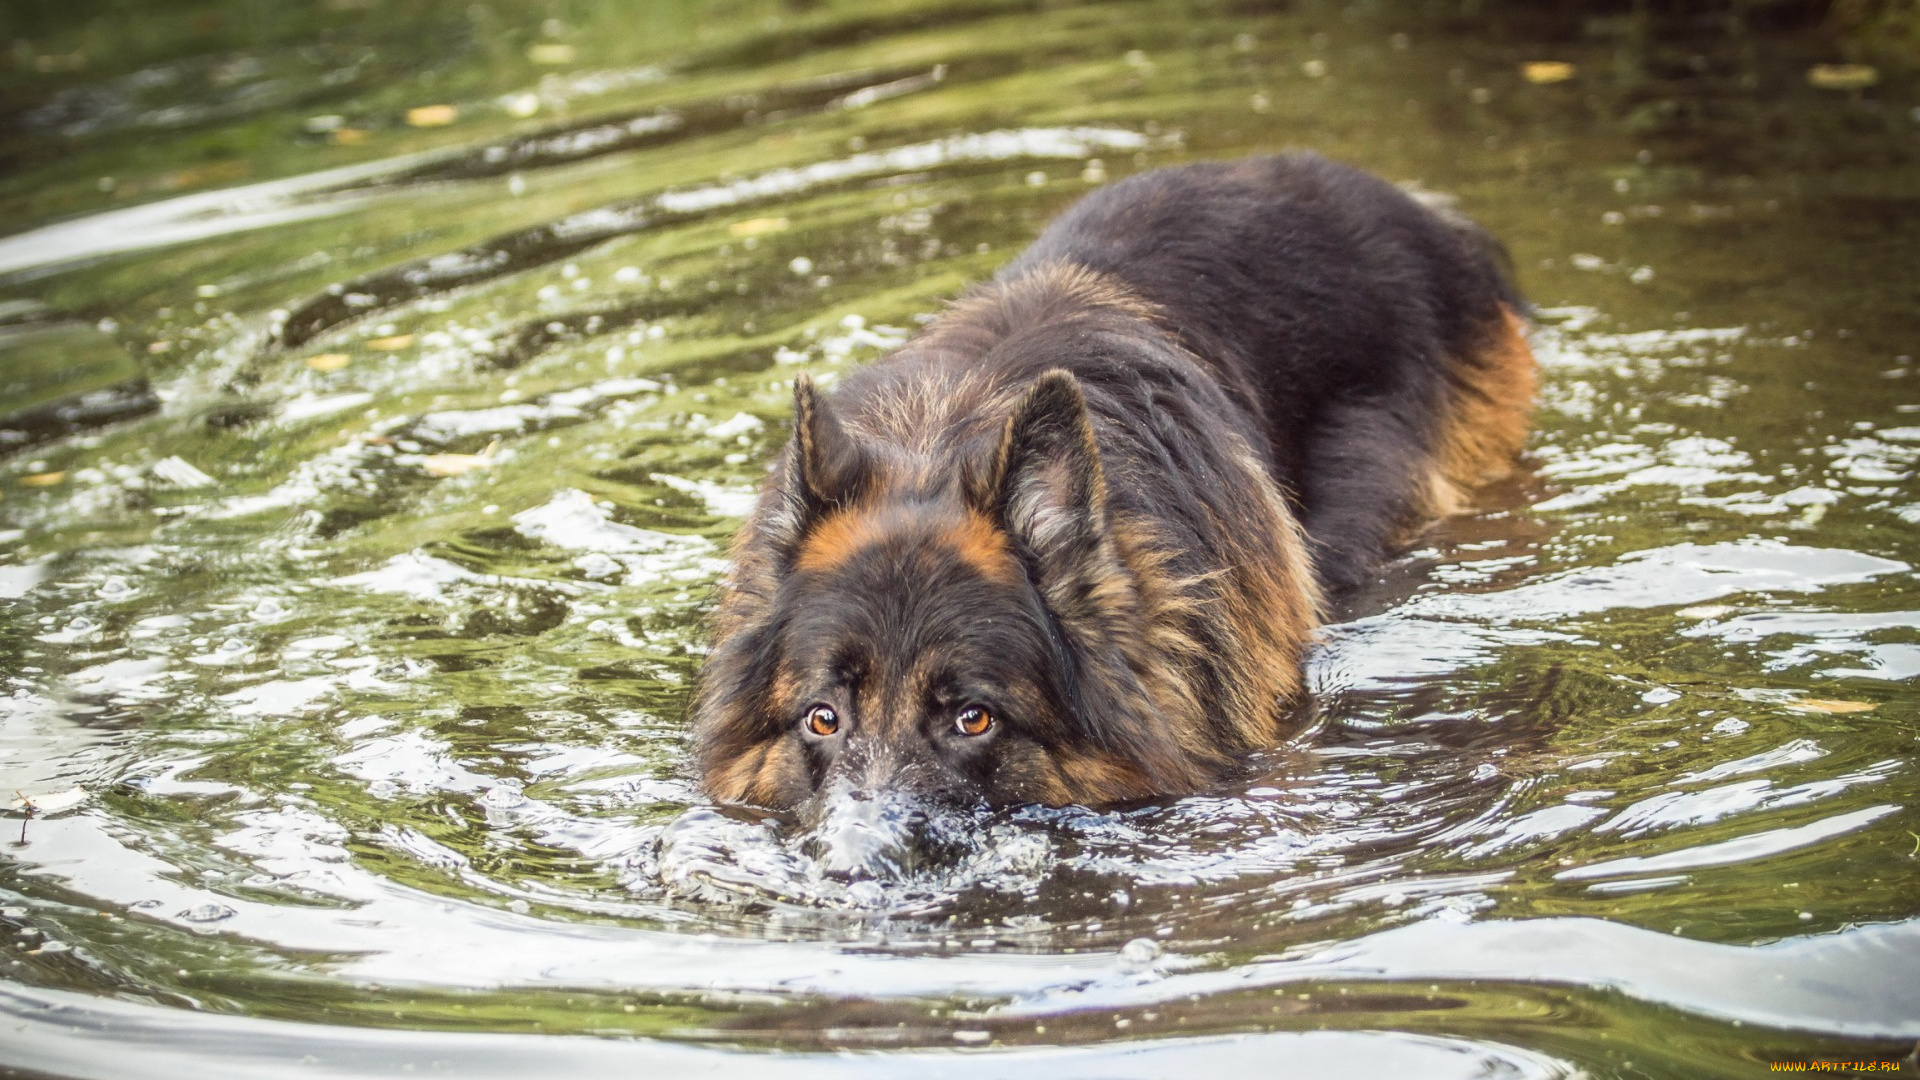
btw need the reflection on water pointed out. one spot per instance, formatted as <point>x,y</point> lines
<point>366,486</point>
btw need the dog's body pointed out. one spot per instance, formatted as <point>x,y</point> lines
<point>1098,501</point>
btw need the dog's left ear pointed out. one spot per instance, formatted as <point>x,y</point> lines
<point>1043,485</point>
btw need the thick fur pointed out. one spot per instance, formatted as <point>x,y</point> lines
<point>1103,495</point>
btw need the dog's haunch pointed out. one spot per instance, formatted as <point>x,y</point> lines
<point>1067,545</point>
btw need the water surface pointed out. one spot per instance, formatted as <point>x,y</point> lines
<point>381,388</point>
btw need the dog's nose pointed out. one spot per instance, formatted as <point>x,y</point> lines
<point>864,835</point>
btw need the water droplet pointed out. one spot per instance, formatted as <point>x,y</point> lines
<point>503,798</point>
<point>207,913</point>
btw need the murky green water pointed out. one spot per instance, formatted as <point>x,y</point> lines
<point>350,620</point>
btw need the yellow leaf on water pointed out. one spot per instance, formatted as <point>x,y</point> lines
<point>757,226</point>
<point>45,479</point>
<point>1825,705</point>
<point>443,465</point>
<point>432,116</point>
<point>390,344</point>
<point>550,52</point>
<point>1842,76</point>
<point>1542,72</point>
<point>347,136</point>
<point>454,464</point>
<point>332,361</point>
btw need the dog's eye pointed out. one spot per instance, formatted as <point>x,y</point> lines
<point>822,720</point>
<point>973,720</point>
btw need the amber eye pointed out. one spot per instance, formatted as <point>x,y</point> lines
<point>973,720</point>
<point>822,720</point>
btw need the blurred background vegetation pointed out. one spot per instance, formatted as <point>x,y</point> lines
<point>50,37</point>
<point>56,55</point>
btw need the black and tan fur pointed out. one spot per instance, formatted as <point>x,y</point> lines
<point>1104,494</point>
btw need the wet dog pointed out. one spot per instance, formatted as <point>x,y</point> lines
<point>1069,543</point>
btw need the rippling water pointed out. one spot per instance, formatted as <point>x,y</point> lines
<point>369,464</point>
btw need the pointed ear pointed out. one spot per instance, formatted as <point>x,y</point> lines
<point>828,465</point>
<point>1043,483</point>
<point>823,469</point>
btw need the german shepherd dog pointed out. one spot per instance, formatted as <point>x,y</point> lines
<point>1068,544</point>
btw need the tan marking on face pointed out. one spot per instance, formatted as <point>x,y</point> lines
<point>779,771</point>
<point>837,539</point>
<point>975,539</point>
<point>786,690</point>
<point>983,547</point>
<point>733,781</point>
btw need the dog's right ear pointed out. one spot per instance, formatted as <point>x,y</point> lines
<point>823,468</point>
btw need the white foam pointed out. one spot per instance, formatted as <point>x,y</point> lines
<point>573,520</point>
<point>414,574</point>
<point>281,697</point>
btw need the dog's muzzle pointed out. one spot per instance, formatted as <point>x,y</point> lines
<point>878,836</point>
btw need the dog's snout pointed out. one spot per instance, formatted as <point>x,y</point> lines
<point>861,835</point>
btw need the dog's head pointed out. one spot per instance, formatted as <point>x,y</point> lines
<point>902,640</point>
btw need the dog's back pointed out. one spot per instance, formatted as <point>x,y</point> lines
<point>1361,329</point>
<point>1068,544</point>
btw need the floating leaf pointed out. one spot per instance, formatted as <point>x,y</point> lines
<point>757,226</point>
<point>332,361</point>
<point>51,803</point>
<point>45,479</point>
<point>347,136</point>
<point>390,344</point>
<point>1842,76</point>
<point>550,52</point>
<point>444,465</point>
<point>432,115</point>
<point>1543,72</point>
<point>1826,705</point>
